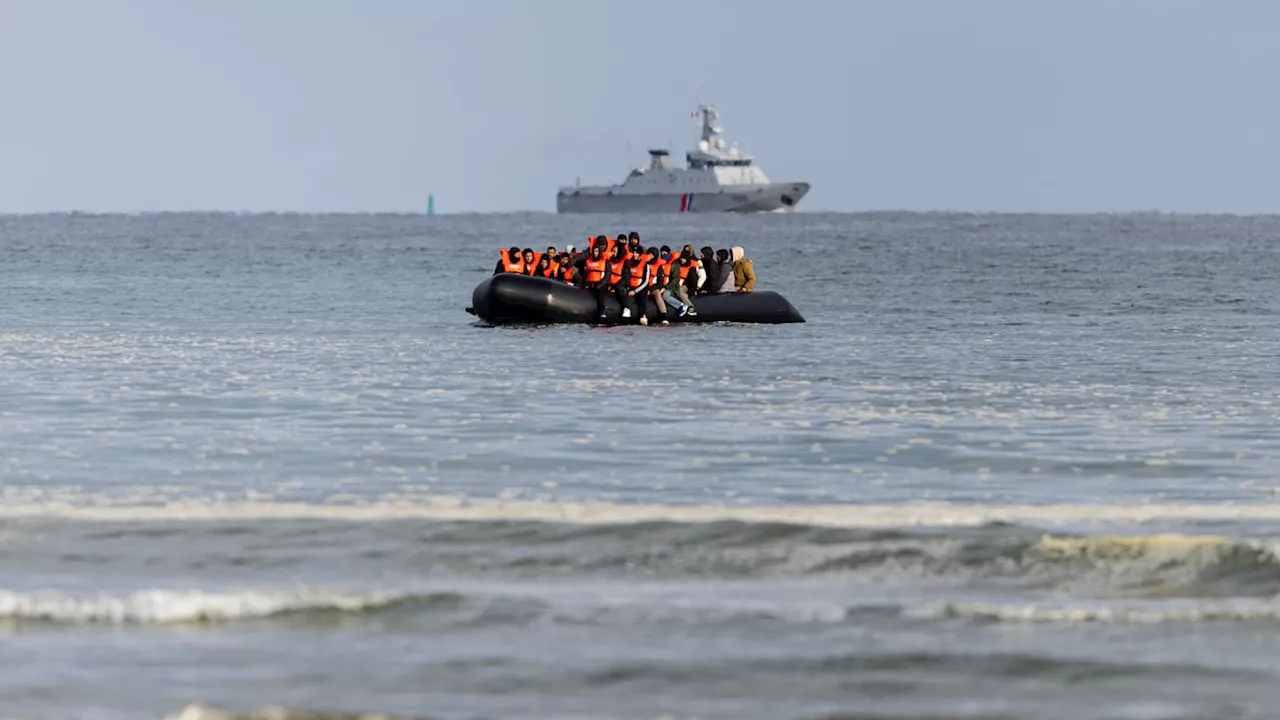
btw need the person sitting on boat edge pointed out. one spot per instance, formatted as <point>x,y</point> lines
<point>619,269</point>
<point>657,284</point>
<point>744,275</point>
<point>699,274</point>
<point>726,268</point>
<point>715,272</point>
<point>509,261</point>
<point>637,279</point>
<point>677,272</point>
<point>596,275</point>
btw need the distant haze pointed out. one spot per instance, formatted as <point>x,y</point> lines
<point>975,105</point>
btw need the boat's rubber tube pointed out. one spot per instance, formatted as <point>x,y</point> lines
<point>509,298</point>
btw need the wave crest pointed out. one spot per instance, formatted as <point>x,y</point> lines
<point>193,606</point>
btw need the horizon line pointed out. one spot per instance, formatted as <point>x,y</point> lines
<point>474,213</point>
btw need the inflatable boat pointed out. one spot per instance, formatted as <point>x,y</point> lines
<point>508,298</point>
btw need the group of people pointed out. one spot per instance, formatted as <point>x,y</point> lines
<point>623,267</point>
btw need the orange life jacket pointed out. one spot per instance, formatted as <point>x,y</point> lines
<point>509,265</point>
<point>684,270</point>
<point>657,273</point>
<point>615,271</point>
<point>637,275</point>
<point>596,269</point>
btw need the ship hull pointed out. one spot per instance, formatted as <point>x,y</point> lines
<point>774,197</point>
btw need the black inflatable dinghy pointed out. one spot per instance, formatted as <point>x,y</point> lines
<point>510,298</point>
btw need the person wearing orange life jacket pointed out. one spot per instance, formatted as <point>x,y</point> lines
<point>545,268</point>
<point>510,261</point>
<point>530,260</point>
<point>567,271</point>
<point>595,275</point>
<point>698,275</point>
<point>620,272</point>
<point>637,281</point>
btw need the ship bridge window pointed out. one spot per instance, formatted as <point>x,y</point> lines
<point>697,164</point>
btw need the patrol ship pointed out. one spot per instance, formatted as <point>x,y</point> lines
<point>716,179</point>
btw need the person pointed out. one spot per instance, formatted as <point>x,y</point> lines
<point>510,261</point>
<point>619,270</point>
<point>657,283</point>
<point>726,268</point>
<point>596,275</point>
<point>744,275</point>
<point>665,253</point>
<point>715,273</point>
<point>699,274</point>
<point>530,261</point>
<point>677,273</point>
<point>636,281</point>
<point>545,268</point>
<point>566,271</point>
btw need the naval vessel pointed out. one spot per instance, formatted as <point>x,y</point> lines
<point>715,178</point>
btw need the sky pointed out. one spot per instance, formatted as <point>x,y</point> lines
<point>490,105</point>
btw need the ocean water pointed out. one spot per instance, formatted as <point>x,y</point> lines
<point>1013,466</point>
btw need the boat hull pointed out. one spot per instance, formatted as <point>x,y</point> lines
<point>772,197</point>
<point>508,298</point>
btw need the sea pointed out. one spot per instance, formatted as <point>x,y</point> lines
<point>1016,467</point>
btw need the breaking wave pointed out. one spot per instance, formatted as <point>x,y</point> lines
<point>195,606</point>
<point>682,574</point>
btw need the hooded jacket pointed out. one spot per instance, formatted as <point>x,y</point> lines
<point>726,277</point>
<point>715,274</point>
<point>744,275</point>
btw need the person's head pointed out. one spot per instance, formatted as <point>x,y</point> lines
<point>707,252</point>
<point>633,236</point>
<point>653,253</point>
<point>619,251</point>
<point>544,262</point>
<point>722,255</point>
<point>687,252</point>
<point>551,250</point>
<point>565,258</point>
<point>597,249</point>
<point>528,255</point>
<point>513,253</point>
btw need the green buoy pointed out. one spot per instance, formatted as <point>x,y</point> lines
<point>431,204</point>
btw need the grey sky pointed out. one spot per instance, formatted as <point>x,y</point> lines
<point>313,105</point>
